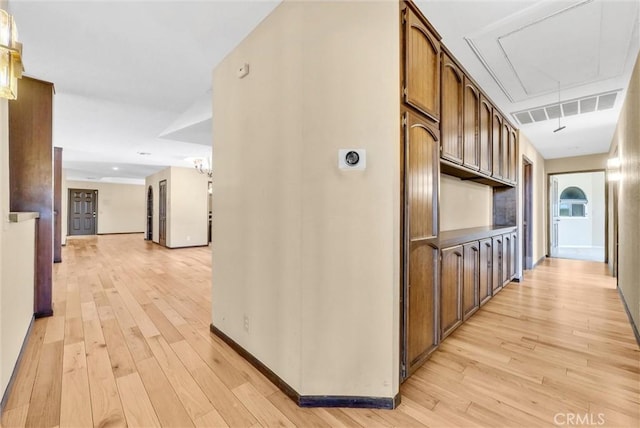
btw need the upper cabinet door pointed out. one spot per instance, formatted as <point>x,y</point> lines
<point>513,155</point>
<point>504,150</point>
<point>496,142</point>
<point>471,125</point>
<point>485,136</point>
<point>452,110</point>
<point>421,67</point>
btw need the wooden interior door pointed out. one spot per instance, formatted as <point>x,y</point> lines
<point>149,236</point>
<point>82,211</point>
<point>162,213</point>
<point>420,229</point>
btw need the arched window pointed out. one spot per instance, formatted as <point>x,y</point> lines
<point>573,202</point>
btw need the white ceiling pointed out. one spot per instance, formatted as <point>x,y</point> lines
<point>134,77</point>
<point>520,51</point>
<point>131,76</point>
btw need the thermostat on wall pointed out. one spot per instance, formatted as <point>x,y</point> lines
<point>354,159</point>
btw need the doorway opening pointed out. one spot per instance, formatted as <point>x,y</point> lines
<point>578,215</point>
<point>149,236</point>
<point>527,214</point>
<point>83,212</point>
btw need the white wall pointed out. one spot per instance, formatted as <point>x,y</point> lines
<point>187,206</point>
<point>17,294</point>
<point>583,231</point>
<point>121,207</point>
<point>309,254</point>
<point>457,197</point>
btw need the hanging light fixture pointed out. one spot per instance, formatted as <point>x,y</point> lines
<point>559,128</point>
<point>10,57</point>
<point>198,163</point>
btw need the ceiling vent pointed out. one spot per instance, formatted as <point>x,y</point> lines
<point>587,104</point>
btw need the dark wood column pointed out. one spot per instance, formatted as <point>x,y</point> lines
<point>31,175</point>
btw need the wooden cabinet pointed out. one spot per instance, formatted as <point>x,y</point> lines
<point>496,263</point>
<point>451,269</point>
<point>421,66</point>
<point>485,271</point>
<point>484,135</point>
<point>504,151</point>
<point>452,110</point>
<point>513,156</point>
<point>421,159</point>
<point>471,126</point>
<point>471,279</point>
<point>506,258</point>
<point>496,144</point>
<point>513,250</point>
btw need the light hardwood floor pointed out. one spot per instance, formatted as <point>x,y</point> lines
<point>130,344</point>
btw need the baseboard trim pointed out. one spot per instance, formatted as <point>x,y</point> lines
<point>634,327</point>
<point>14,373</point>
<point>43,314</point>
<point>120,233</point>
<point>307,400</point>
<point>538,262</point>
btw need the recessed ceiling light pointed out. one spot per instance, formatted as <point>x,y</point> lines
<point>115,168</point>
<point>144,153</point>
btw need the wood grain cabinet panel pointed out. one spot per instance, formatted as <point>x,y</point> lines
<point>421,160</point>
<point>452,110</point>
<point>421,66</point>
<point>513,155</point>
<point>486,273</point>
<point>471,126</point>
<point>471,279</point>
<point>451,277</point>
<point>496,264</point>
<point>506,258</point>
<point>504,151</point>
<point>485,132</point>
<point>496,143</point>
<point>513,250</point>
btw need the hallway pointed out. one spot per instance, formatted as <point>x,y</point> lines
<point>130,344</point>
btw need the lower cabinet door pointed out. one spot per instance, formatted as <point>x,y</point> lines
<point>451,268</point>
<point>471,279</point>
<point>486,272</point>
<point>496,264</point>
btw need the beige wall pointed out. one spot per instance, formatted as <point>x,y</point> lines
<point>18,249</point>
<point>187,206</point>
<point>16,264</point>
<point>576,163</point>
<point>539,204</point>
<point>627,142</point>
<point>308,253</point>
<point>458,197</point>
<point>121,207</point>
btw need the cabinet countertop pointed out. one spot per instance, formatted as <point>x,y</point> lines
<point>460,236</point>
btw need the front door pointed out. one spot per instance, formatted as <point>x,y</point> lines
<point>82,211</point>
<point>162,214</point>
<point>555,215</point>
